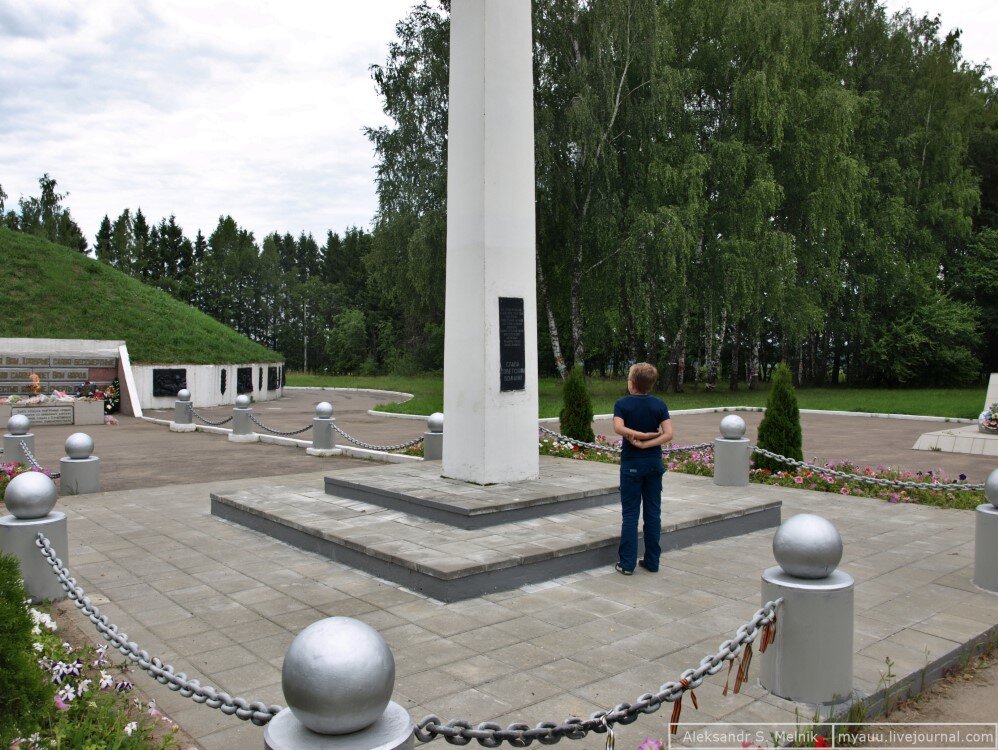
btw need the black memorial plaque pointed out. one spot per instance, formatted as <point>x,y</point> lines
<point>271,378</point>
<point>225,380</point>
<point>167,383</point>
<point>244,380</point>
<point>512,349</point>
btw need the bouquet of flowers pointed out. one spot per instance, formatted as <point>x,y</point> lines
<point>988,421</point>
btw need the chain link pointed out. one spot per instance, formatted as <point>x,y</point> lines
<point>262,426</point>
<point>257,711</point>
<point>34,464</point>
<point>194,412</point>
<point>615,449</point>
<point>460,732</point>
<point>897,483</point>
<point>383,448</point>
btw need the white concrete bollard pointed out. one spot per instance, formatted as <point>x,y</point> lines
<point>732,454</point>
<point>30,498</point>
<point>338,677</point>
<point>323,443</point>
<point>80,470</point>
<point>242,422</point>
<point>986,537</point>
<point>182,416</point>
<point>18,427</point>
<point>810,660</point>
<point>433,438</point>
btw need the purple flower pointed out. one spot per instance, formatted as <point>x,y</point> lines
<point>60,703</point>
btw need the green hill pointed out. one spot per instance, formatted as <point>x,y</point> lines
<point>49,291</point>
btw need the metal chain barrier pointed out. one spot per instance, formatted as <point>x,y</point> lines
<point>614,449</point>
<point>383,448</point>
<point>488,734</point>
<point>257,712</point>
<point>34,464</point>
<point>262,426</point>
<point>194,412</point>
<point>897,483</point>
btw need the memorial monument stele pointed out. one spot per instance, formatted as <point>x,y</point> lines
<point>490,344</point>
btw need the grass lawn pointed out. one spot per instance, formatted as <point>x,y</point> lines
<point>428,391</point>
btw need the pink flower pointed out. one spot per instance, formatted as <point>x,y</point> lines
<point>60,703</point>
<point>650,744</point>
<point>798,480</point>
<point>844,491</point>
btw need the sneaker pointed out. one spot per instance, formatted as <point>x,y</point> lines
<point>623,572</point>
<point>644,565</point>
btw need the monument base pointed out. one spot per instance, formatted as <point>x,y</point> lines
<point>251,438</point>
<point>17,538</point>
<point>393,731</point>
<point>174,427</point>
<point>969,440</point>
<point>323,452</point>
<point>455,541</point>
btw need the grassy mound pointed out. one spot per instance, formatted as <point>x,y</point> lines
<point>52,292</point>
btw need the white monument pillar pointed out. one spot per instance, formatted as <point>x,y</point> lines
<point>490,346</point>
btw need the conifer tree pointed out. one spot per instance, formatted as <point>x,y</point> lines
<point>779,431</point>
<point>103,246</point>
<point>577,408</point>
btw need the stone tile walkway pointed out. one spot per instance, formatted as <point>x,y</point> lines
<point>222,603</point>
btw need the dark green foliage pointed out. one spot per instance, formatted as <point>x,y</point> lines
<point>577,408</point>
<point>25,693</point>
<point>780,430</point>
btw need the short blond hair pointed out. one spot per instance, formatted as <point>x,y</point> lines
<point>644,376</point>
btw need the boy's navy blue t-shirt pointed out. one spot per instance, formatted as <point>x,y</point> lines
<point>644,414</point>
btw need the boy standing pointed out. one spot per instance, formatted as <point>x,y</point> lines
<point>643,421</point>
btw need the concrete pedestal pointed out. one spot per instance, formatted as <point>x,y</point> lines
<point>79,476</point>
<point>17,538</point>
<point>433,446</point>
<point>731,461</point>
<point>811,659</point>
<point>393,731</point>
<point>182,413</point>
<point>490,332</point>
<point>242,427</point>
<point>986,548</point>
<point>323,443</point>
<point>12,450</point>
<point>179,427</point>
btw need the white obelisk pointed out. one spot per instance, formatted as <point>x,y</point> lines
<point>490,345</point>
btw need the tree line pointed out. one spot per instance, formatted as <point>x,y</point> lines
<point>721,185</point>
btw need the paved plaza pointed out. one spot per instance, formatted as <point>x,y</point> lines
<point>222,603</point>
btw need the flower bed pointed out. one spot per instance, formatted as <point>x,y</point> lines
<point>701,463</point>
<point>988,421</point>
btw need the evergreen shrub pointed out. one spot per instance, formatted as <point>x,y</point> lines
<point>577,408</point>
<point>25,692</point>
<point>780,430</point>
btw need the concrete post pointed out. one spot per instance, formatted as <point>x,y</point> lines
<point>338,677</point>
<point>810,661</point>
<point>323,443</point>
<point>80,470</point>
<point>17,431</point>
<point>242,423</point>
<point>433,438</point>
<point>182,416</point>
<point>732,454</point>
<point>986,537</point>
<point>490,332</point>
<point>30,498</point>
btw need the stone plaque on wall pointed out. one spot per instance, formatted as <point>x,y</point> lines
<point>40,415</point>
<point>512,351</point>
<point>168,382</point>
<point>271,378</point>
<point>244,380</point>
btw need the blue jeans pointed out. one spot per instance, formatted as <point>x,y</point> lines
<point>641,487</point>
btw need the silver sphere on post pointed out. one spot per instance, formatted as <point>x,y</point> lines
<point>79,445</point>
<point>807,546</point>
<point>732,427</point>
<point>323,410</point>
<point>991,488</point>
<point>435,423</point>
<point>19,424</point>
<point>338,676</point>
<point>30,495</point>
<point>183,395</point>
<point>242,402</point>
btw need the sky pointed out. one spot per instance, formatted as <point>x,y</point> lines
<point>205,108</point>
